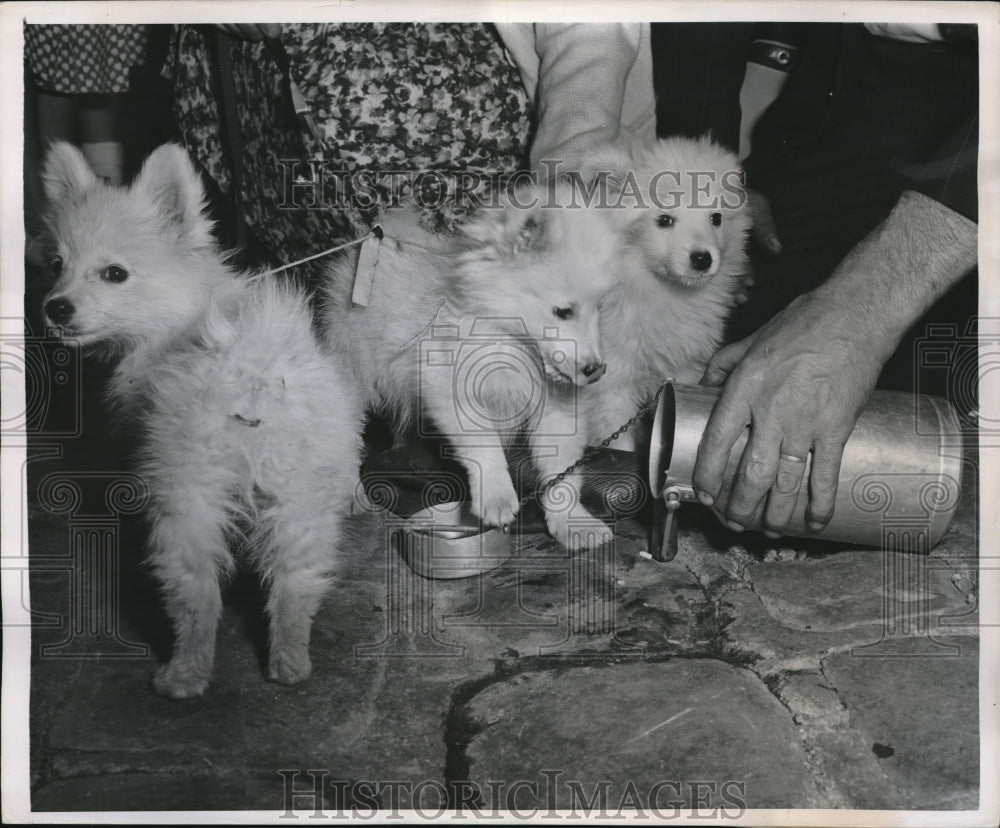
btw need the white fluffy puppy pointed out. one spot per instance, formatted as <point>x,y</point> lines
<point>490,334</point>
<point>682,213</point>
<point>248,425</point>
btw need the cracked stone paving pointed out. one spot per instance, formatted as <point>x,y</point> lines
<point>743,673</point>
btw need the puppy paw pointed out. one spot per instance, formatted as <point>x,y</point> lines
<point>498,503</point>
<point>577,535</point>
<point>180,680</point>
<point>289,666</point>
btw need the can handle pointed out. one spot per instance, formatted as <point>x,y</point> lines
<point>663,539</point>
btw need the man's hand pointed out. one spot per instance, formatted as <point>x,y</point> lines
<point>800,383</point>
<point>765,236</point>
<point>765,233</point>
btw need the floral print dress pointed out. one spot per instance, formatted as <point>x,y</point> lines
<point>345,99</point>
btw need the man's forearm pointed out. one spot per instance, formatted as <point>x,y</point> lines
<point>903,267</point>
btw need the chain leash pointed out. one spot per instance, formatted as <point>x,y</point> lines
<point>592,451</point>
<point>539,492</point>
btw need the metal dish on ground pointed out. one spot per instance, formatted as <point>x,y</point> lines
<point>447,541</point>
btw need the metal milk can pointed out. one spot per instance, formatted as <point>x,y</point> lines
<point>900,472</point>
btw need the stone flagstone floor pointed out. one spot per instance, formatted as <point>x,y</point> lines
<point>739,675</point>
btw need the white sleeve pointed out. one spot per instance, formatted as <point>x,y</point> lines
<point>588,81</point>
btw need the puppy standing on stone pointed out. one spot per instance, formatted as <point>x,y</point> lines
<point>247,421</point>
<point>490,333</point>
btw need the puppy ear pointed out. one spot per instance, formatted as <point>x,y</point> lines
<point>511,229</point>
<point>65,173</point>
<point>526,232</point>
<point>170,181</point>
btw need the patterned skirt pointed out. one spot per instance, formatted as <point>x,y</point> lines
<point>82,58</point>
<point>367,108</point>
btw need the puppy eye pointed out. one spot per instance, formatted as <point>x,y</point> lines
<point>563,313</point>
<point>56,264</point>
<point>664,220</point>
<point>114,274</point>
<point>716,219</point>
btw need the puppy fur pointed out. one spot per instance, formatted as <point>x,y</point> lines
<point>683,254</point>
<point>490,333</point>
<point>247,420</point>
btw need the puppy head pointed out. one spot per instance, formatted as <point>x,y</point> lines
<point>129,262</point>
<point>684,207</point>
<point>545,267</point>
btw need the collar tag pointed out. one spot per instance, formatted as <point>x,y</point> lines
<point>364,275</point>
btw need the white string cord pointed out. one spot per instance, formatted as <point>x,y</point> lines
<point>376,233</point>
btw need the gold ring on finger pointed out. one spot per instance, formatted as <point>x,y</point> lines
<point>791,458</point>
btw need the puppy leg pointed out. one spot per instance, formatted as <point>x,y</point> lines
<point>480,451</point>
<point>556,444</point>
<point>189,556</point>
<point>298,561</point>
<point>494,498</point>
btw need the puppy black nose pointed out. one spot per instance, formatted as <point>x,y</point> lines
<point>593,371</point>
<point>701,260</point>
<point>59,311</point>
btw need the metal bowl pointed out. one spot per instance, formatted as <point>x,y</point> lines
<point>447,541</point>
